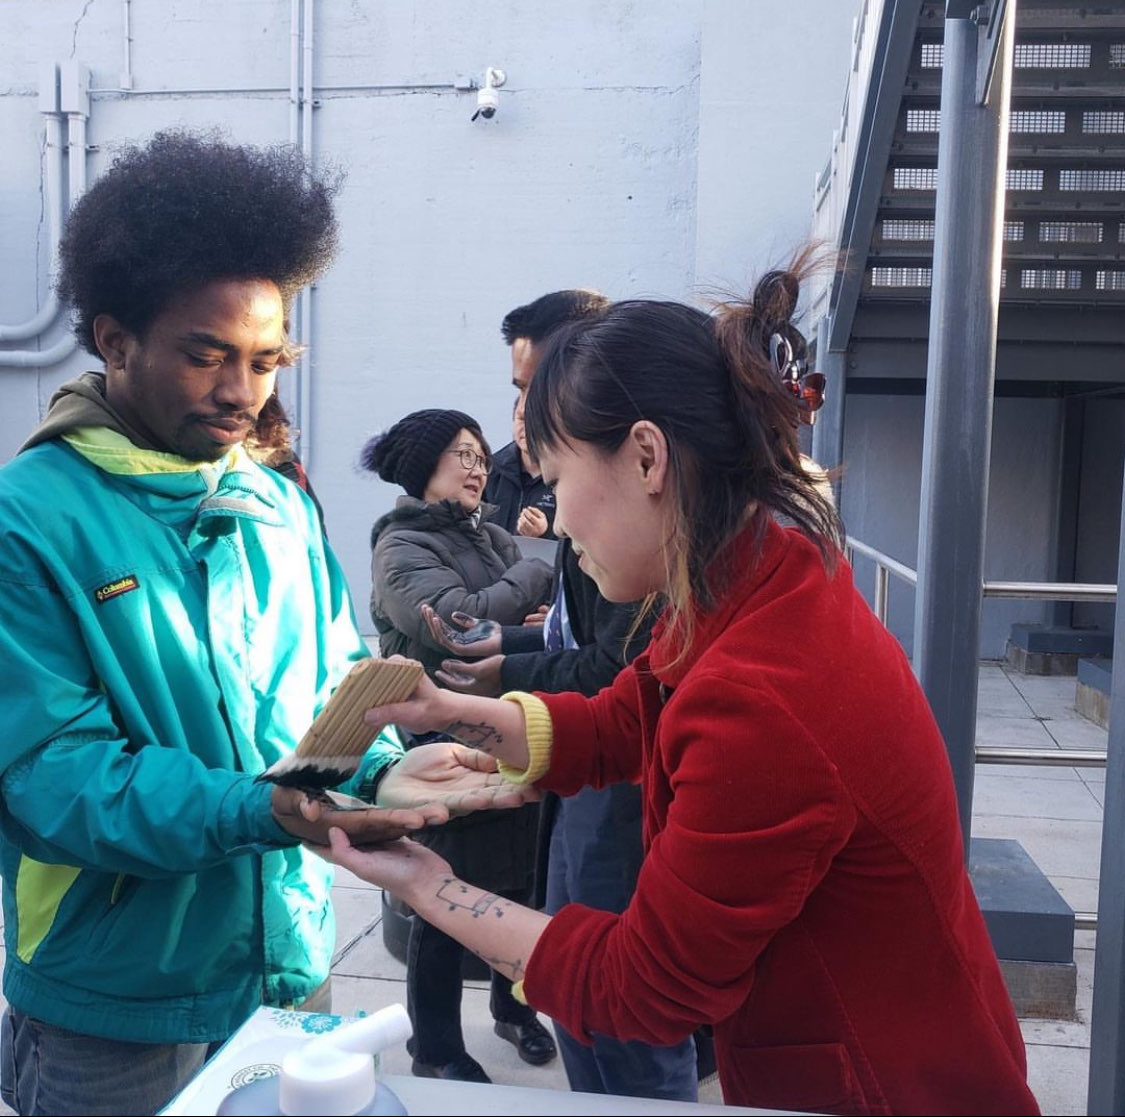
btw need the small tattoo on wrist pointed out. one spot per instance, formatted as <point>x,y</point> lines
<point>477,735</point>
<point>512,966</point>
<point>457,894</point>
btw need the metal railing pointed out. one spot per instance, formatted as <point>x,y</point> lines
<point>1052,591</point>
<point>885,566</point>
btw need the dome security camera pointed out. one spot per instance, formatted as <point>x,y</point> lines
<point>488,100</point>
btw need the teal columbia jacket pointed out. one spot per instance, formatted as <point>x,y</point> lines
<point>167,631</point>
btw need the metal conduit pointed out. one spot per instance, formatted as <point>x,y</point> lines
<point>73,102</point>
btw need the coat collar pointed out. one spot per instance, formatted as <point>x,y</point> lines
<point>440,515</point>
<point>178,491</point>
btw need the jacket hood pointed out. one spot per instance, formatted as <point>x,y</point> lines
<point>78,403</point>
<point>418,515</point>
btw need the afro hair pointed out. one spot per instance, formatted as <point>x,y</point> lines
<point>187,209</point>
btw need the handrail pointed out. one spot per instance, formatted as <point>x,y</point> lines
<point>893,565</point>
<point>1058,758</point>
<point>1028,591</point>
<point>1052,591</point>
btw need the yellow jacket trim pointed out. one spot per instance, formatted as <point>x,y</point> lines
<point>40,889</point>
<point>540,737</point>
<point>114,453</point>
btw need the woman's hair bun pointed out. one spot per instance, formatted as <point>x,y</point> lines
<point>775,298</point>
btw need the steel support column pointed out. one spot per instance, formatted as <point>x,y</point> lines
<point>828,434</point>
<point>1107,1020</point>
<point>972,158</point>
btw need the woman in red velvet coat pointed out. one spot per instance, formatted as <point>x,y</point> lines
<point>804,888</point>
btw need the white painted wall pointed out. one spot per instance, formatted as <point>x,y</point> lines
<point>771,89</point>
<point>646,148</point>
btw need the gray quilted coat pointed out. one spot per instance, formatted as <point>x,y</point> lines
<point>435,554</point>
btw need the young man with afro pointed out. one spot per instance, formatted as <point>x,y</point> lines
<point>171,620</point>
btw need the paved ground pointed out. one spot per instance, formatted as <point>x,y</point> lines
<point>1054,812</point>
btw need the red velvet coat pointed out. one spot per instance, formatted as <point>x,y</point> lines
<point>804,887</point>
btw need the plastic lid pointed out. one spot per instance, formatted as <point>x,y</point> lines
<point>335,1073</point>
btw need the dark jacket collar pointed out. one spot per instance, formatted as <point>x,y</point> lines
<point>438,515</point>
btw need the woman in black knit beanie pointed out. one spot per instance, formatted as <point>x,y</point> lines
<point>435,548</point>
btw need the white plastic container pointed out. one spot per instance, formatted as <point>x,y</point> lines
<point>331,1075</point>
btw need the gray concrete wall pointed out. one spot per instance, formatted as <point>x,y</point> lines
<point>882,480</point>
<point>1099,524</point>
<point>657,149</point>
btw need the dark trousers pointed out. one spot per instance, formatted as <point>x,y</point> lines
<point>595,855</point>
<point>433,995</point>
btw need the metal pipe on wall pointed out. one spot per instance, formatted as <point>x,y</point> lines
<point>74,102</point>
<point>54,203</point>
<point>55,206</point>
<point>288,386</point>
<point>127,45</point>
<point>40,358</point>
<point>303,418</point>
<point>294,71</point>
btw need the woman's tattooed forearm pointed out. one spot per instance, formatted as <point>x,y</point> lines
<point>511,967</point>
<point>459,897</point>
<point>457,894</point>
<point>477,735</point>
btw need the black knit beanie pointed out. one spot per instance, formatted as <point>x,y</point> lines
<point>408,453</point>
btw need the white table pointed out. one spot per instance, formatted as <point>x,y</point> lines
<point>433,1096</point>
<point>257,1048</point>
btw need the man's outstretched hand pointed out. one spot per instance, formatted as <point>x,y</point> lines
<point>309,817</point>
<point>452,776</point>
<point>478,676</point>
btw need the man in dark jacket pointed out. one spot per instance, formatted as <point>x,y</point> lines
<point>591,841</point>
<point>524,504</point>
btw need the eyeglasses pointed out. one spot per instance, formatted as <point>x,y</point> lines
<point>470,460</point>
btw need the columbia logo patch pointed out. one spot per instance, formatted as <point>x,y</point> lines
<point>116,589</point>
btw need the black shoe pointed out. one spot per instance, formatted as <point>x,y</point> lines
<point>532,1041</point>
<point>464,1069</point>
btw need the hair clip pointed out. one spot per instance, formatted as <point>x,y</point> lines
<point>807,386</point>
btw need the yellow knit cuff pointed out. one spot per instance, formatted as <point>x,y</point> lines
<point>517,991</point>
<point>540,736</point>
